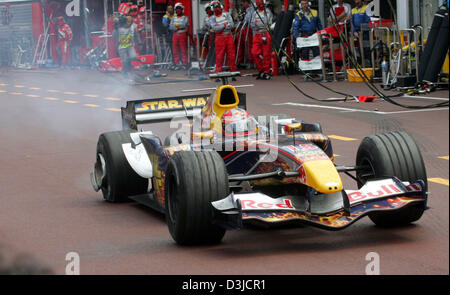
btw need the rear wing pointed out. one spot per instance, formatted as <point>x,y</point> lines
<point>155,110</point>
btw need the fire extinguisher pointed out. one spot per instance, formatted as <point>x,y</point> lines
<point>274,64</point>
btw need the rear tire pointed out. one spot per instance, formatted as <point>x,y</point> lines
<point>392,154</point>
<point>193,181</point>
<point>120,180</point>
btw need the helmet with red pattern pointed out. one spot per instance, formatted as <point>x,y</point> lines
<point>238,123</point>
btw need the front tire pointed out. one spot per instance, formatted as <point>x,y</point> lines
<point>387,155</point>
<point>194,179</point>
<point>120,180</point>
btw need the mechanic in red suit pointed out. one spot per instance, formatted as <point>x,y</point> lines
<point>206,30</point>
<point>222,24</point>
<point>262,42</point>
<point>179,25</point>
<point>245,35</point>
<point>64,39</point>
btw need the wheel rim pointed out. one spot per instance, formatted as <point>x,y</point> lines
<point>365,174</point>
<point>105,185</point>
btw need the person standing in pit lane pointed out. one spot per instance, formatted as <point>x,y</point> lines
<point>126,37</point>
<point>262,42</point>
<point>307,23</point>
<point>222,24</point>
<point>179,26</point>
<point>342,11</point>
<point>207,32</point>
<point>64,39</point>
<point>360,18</point>
<point>167,18</point>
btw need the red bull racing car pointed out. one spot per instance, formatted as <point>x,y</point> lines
<point>224,168</point>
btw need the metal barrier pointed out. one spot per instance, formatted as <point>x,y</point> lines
<point>317,63</point>
<point>400,50</point>
<point>328,56</point>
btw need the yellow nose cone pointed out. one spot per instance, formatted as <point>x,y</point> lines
<point>322,176</point>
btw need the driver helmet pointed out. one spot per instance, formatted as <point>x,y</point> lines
<point>238,122</point>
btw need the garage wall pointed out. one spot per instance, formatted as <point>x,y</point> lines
<point>21,22</point>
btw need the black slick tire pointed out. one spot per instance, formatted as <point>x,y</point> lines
<point>387,155</point>
<point>120,181</point>
<point>194,179</point>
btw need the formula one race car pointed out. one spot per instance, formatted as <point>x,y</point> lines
<point>223,168</point>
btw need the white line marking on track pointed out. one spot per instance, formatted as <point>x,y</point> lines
<point>426,97</point>
<point>418,111</point>
<point>356,110</point>
<point>322,107</point>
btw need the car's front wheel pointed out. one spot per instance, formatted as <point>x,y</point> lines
<point>387,155</point>
<point>193,180</point>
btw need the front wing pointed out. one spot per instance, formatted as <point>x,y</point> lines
<point>331,212</point>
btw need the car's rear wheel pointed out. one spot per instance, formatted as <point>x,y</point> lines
<point>193,180</point>
<point>120,180</point>
<point>387,155</point>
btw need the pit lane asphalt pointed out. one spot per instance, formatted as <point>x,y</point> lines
<point>50,122</point>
